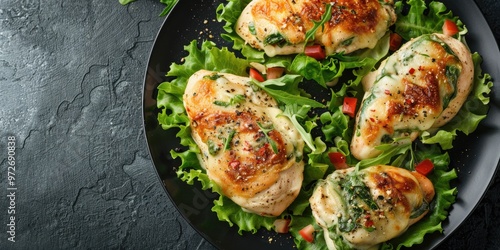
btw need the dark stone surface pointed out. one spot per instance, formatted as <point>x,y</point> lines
<point>71,75</point>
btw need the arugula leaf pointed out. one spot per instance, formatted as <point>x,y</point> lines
<point>266,131</point>
<point>321,23</point>
<point>285,90</point>
<point>227,141</point>
<point>389,151</point>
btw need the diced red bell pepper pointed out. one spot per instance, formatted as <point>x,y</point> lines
<point>255,74</point>
<point>274,72</point>
<point>395,41</point>
<point>281,225</point>
<point>315,51</point>
<point>424,167</point>
<point>338,160</point>
<point>450,28</point>
<point>307,233</point>
<point>349,106</point>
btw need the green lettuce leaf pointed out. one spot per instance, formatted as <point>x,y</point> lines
<point>232,213</point>
<point>423,19</point>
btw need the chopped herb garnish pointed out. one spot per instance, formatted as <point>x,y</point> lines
<point>213,76</point>
<point>213,148</point>
<point>275,39</point>
<point>269,139</point>
<point>251,28</point>
<point>234,100</point>
<point>355,192</point>
<point>347,42</point>
<point>324,18</point>
<point>227,142</point>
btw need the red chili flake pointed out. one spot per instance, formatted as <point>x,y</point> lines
<point>411,71</point>
<point>262,154</point>
<point>387,92</point>
<point>420,68</point>
<point>234,164</point>
<point>247,147</point>
<point>372,119</point>
<point>369,223</point>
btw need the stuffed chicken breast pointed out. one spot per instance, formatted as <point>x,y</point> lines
<point>251,152</point>
<point>279,27</point>
<point>418,88</point>
<point>364,208</point>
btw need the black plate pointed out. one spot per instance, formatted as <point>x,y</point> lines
<point>475,156</point>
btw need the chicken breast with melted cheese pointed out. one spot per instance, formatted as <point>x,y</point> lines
<point>279,27</point>
<point>370,206</point>
<point>251,152</point>
<point>418,88</point>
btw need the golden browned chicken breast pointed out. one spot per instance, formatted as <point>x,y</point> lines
<point>279,27</point>
<point>370,206</point>
<point>246,147</point>
<point>418,88</point>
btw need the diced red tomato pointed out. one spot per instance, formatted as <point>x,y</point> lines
<point>307,233</point>
<point>274,72</point>
<point>424,167</point>
<point>281,225</point>
<point>449,28</point>
<point>255,74</point>
<point>395,41</point>
<point>349,107</point>
<point>338,160</point>
<point>315,51</point>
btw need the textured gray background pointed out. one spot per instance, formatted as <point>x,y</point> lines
<point>71,75</point>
